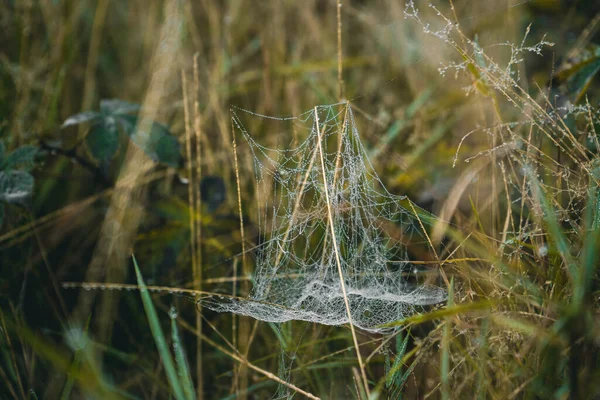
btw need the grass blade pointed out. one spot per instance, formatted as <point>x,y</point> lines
<point>180,359</point>
<point>159,337</point>
<point>445,356</point>
<point>441,313</point>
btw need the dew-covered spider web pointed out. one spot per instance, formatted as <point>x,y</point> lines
<point>312,232</point>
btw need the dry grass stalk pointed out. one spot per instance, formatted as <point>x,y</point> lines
<point>198,228</point>
<point>241,378</point>
<point>337,257</point>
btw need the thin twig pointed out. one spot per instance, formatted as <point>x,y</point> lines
<point>339,49</point>
<point>244,361</point>
<point>188,150</point>
<point>72,154</point>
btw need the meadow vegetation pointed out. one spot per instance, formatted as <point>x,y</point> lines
<point>162,160</point>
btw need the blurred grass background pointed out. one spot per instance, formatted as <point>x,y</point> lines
<point>280,58</point>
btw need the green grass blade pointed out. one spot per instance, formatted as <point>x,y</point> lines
<point>180,359</point>
<point>387,365</point>
<point>159,338</point>
<point>553,226</point>
<point>394,372</point>
<point>441,313</point>
<point>445,356</point>
<point>409,371</point>
<point>401,381</point>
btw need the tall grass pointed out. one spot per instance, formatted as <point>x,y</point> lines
<point>491,146</point>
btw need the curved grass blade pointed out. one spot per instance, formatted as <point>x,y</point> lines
<point>441,313</point>
<point>159,338</point>
<point>182,366</point>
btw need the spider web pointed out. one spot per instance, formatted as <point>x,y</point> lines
<point>363,231</point>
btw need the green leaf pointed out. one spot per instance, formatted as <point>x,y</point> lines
<point>103,140</point>
<point>159,337</point>
<point>553,227</point>
<point>88,116</point>
<point>117,107</point>
<point>167,151</point>
<point>16,187</point>
<point>21,157</point>
<point>127,123</point>
<point>159,144</point>
<point>579,83</point>
<point>577,73</point>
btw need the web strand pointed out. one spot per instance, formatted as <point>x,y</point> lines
<point>328,256</point>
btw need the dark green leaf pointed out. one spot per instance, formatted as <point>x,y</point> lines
<point>159,144</point>
<point>22,157</point>
<point>579,82</point>
<point>127,123</point>
<point>1,214</point>
<point>117,107</point>
<point>103,140</point>
<point>577,73</point>
<point>168,151</point>
<point>577,62</point>
<point>103,143</point>
<point>16,187</point>
<point>88,116</point>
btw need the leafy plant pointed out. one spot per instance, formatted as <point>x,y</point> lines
<point>116,117</point>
